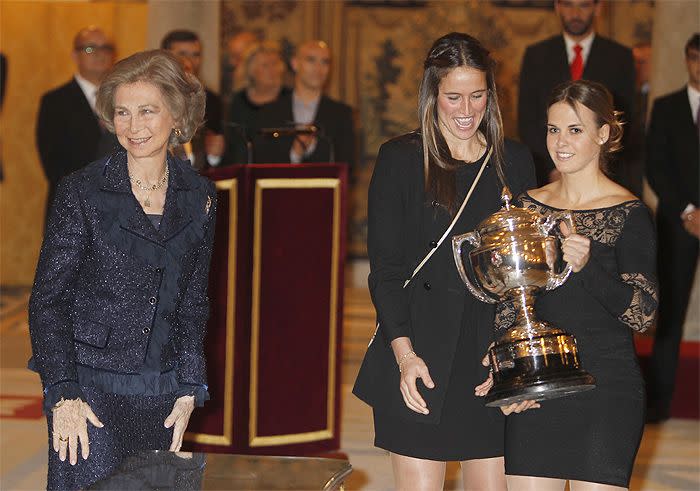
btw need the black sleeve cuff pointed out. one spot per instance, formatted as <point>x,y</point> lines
<point>68,389</point>
<point>200,393</point>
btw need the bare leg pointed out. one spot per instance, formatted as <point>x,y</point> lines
<point>530,483</point>
<point>484,474</point>
<point>417,474</point>
<point>593,486</point>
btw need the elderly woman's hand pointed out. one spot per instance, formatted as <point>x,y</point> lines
<point>70,419</point>
<point>179,416</point>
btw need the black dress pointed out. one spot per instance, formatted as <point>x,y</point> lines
<point>467,428</point>
<point>449,329</point>
<point>594,436</point>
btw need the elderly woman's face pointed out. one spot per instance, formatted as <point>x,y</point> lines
<point>142,120</point>
<point>461,103</point>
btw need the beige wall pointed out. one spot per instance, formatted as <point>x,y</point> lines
<point>37,39</point>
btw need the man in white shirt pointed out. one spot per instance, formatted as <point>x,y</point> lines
<point>575,54</point>
<point>68,133</point>
<point>673,163</point>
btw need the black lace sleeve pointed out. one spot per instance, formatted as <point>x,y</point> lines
<point>631,295</point>
<point>636,260</point>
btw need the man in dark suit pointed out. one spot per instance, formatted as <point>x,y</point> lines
<point>578,53</point>
<point>207,146</point>
<point>68,133</point>
<point>672,170</point>
<point>325,127</point>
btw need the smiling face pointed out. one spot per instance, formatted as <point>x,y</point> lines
<point>574,139</point>
<point>461,104</point>
<point>142,120</point>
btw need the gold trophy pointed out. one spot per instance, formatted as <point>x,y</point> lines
<point>516,255</point>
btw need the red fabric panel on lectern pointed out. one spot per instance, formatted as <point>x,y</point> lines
<point>296,254</point>
<point>210,418</point>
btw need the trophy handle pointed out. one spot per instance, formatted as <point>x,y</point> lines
<point>457,242</point>
<point>545,225</point>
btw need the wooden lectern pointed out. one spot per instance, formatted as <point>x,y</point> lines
<point>276,289</point>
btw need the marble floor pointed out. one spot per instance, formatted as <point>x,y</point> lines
<point>669,458</point>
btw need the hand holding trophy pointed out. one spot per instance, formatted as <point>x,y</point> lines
<point>515,257</point>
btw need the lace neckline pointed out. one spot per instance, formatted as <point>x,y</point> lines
<point>586,210</point>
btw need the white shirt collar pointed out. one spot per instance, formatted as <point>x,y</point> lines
<point>89,90</point>
<point>694,99</point>
<point>585,44</point>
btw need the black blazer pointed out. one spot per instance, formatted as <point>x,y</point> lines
<point>332,117</point>
<point>672,154</point>
<point>403,223</point>
<point>546,65</point>
<point>111,292</point>
<point>68,134</point>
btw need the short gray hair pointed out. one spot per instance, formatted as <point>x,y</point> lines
<point>183,93</point>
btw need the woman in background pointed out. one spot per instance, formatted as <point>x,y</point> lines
<point>264,71</point>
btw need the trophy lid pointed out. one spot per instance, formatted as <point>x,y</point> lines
<point>507,218</point>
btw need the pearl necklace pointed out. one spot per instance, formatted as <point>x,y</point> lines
<point>151,187</point>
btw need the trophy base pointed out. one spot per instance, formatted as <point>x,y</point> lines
<point>539,390</point>
<point>536,368</point>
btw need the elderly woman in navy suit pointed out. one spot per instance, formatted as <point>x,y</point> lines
<point>119,305</point>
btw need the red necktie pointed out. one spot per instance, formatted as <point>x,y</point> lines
<point>577,65</point>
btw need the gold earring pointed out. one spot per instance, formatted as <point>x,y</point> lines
<point>178,132</point>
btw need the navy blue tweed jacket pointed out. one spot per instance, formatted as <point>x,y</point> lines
<point>118,304</point>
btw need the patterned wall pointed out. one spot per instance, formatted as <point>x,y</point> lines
<point>379,46</point>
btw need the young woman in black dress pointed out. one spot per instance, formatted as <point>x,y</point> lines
<point>422,372</point>
<point>590,439</point>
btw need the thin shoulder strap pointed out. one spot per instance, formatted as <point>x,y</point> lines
<point>454,220</point>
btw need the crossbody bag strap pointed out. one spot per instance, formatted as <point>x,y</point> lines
<point>454,220</point>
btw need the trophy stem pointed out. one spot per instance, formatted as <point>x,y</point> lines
<point>523,299</point>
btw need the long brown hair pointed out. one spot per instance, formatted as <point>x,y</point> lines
<point>599,100</point>
<point>447,53</point>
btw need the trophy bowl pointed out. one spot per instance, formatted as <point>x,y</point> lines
<point>515,256</point>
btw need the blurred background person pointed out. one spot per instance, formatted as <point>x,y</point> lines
<point>118,310</point>
<point>264,71</point>
<point>68,132</point>
<point>332,138</point>
<point>207,146</point>
<point>673,162</point>
<point>236,48</point>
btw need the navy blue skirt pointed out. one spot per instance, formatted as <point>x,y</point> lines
<point>131,423</point>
